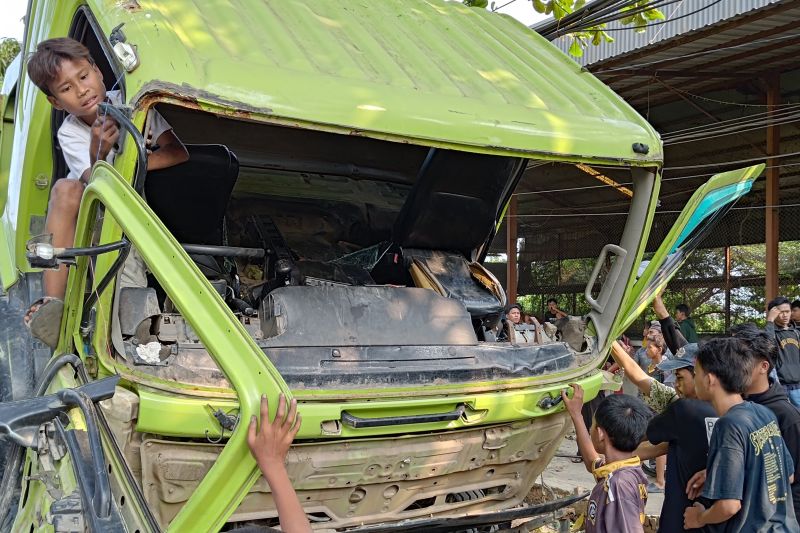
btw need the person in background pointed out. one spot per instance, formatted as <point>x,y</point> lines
<point>514,314</point>
<point>657,352</point>
<point>618,500</point>
<point>686,323</point>
<point>787,338</point>
<point>269,443</point>
<point>749,469</point>
<point>795,316</point>
<point>553,313</point>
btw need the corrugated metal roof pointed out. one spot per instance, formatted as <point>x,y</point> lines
<point>627,39</point>
<point>424,69</point>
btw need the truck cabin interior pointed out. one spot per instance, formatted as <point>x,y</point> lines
<point>321,242</point>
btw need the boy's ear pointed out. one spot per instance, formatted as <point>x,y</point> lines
<point>601,434</point>
<point>711,380</point>
<point>55,103</point>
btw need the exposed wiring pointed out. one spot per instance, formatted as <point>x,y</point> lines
<point>754,118</point>
<point>495,9</point>
<point>665,212</point>
<point>653,38</point>
<point>696,54</point>
<point>725,102</point>
<point>659,23</point>
<point>739,161</point>
<point>722,132</point>
<point>603,186</point>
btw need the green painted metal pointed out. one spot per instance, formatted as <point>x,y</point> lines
<point>164,414</point>
<point>426,70</point>
<point>645,289</point>
<point>238,356</point>
<point>431,72</point>
<point>32,152</point>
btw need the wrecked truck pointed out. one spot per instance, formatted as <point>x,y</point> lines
<point>350,164</point>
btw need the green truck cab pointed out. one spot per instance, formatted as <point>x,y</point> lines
<point>350,164</point>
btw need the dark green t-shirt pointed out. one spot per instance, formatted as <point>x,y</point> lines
<point>689,330</point>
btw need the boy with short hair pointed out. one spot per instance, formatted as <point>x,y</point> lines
<point>749,468</point>
<point>779,327</point>
<point>618,500</point>
<point>65,71</point>
<point>553,313</point>
<point>686,322</point>
<point>769,393</point>
<point>795,314</point>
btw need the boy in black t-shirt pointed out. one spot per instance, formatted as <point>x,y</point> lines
<point>617,501</point>
<point>779,327</point>
<point>764,391</point>
<point>685,425</point>
<point>748,472</point>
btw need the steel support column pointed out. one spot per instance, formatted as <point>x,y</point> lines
<point>772,190</point>
<point>727,288</point>
<point>511,250</point>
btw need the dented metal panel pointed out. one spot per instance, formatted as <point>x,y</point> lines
<point>398,68</point>
<point>404,478</point>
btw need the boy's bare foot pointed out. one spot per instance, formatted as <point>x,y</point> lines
<point>44,319</point>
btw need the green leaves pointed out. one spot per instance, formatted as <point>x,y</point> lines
<point>9,48</point>
<point>476,3</point>
<point>639,18</point>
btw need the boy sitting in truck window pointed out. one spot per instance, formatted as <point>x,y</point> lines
<point>65,71</point>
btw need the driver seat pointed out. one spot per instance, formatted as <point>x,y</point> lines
<point>191,199</point>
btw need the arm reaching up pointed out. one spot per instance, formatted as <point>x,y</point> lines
<point>585,446</point>
<point>632,369</point>
<point>269,445</point>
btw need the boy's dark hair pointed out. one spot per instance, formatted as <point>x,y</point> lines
<point>775,302</point>
<point>795,304</point>
<point>552,300</point>
<point>761,345</point>
<point>731,360</point>
<point>683,308</point>
<point>624,418</point>
<point>45,62</point>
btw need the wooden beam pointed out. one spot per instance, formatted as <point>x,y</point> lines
<point>700,70</point>
<point>700,86</point>
<point>772,189</point>
<point>511,250</point>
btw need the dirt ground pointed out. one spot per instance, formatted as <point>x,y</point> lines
<point>563,477</point>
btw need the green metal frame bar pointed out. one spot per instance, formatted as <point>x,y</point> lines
<point>629,310</point>
<point>249,371</point>
<point>162,414</point>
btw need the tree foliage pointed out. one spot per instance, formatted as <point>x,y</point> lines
<point>638,18</point>
<point>9,49</point>
<point>699,283</point>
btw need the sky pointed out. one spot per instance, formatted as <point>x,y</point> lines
<point>13,11</point>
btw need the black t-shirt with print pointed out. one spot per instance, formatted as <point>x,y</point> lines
<point>748,461</point>
<point>686,425</point>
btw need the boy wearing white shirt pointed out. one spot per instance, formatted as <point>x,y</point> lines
<point>65,71</point>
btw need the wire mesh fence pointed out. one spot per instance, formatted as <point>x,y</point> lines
<point>556,261</point>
